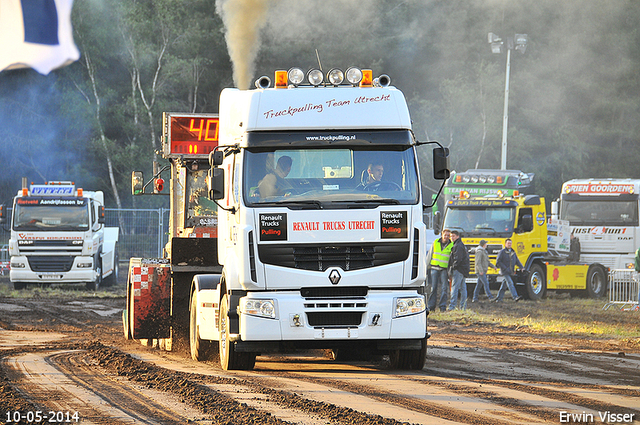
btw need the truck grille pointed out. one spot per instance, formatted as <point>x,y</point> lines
<point>334,319</point>
<point>334,292</point>
<point>322,257</point>
<point>50,263</point>
<point>44,246</point>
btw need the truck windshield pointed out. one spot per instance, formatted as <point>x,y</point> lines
<point>601,212</point>
<point>485,221</point>
<point>331,177</point>
<point>51,214</point>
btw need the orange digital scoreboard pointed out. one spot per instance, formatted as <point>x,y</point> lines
<point>190,134</point>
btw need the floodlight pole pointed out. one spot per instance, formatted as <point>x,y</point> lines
<point>519,42</point>
<point>505,119</point>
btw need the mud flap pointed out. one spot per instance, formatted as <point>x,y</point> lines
<point>149,298</point>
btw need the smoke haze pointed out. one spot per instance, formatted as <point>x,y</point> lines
<point>243,20</point>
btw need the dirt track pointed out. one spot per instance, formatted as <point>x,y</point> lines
<point>68,355</point>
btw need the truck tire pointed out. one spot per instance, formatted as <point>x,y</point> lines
<point>95,285</point>
<point>125,324</point>
<point>201,350</point>
<point>408,359</point>
<point>230,359</point>
<point>127,314</point>
<point>112,279</point>
<point>536,284</point>
<point>18,286</point>
<point>596,282</point>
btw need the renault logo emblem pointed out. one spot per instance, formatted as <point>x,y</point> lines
<point>334,276</point>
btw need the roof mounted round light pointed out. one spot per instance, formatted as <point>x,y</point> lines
<point>491,179</point>
<point>474,179</point>
<point>295,76</point>
<point>354,75</point>
<point>482,179</point>
<point>335,76</point>
<point>465,179</point>
<point>315,77</point>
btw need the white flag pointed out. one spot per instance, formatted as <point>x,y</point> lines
<point>36,34</point>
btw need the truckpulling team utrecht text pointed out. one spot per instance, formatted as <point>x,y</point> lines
<point>319,107</point>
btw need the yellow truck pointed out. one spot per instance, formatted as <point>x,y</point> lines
<point>542,245</point>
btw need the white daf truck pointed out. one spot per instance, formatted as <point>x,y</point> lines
<point>317,250</point>
<point>58,236</point>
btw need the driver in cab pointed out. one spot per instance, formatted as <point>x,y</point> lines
<point>274,184</point>
<point>373,174</point>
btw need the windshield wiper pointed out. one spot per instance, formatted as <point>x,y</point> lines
<point>301,204</point>
<point>379,201</point>
<point>480,229</point>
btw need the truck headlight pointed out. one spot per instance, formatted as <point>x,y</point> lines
<point>407,306</point>
<point>261,308</point>
<point>18,265</point>
<point>85,264</point>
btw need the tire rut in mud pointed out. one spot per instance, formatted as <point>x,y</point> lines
<point>195,390</point>
<point>76,365</point>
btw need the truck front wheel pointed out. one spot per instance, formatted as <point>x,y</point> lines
<point>596,282</point>
<point>201,350</point>
<point>230,359</point>
<point>93,286</point>
<point>112,279</point>
<point>536,284</point>
<point>409,359</point>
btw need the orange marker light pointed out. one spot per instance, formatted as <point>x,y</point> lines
<point>281,79</point>
<point>498,179</point>
<point>80,192</point>
<point>367,78</point>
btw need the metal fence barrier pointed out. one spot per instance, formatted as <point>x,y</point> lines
<point>143,232</point>
<point>623,289</point>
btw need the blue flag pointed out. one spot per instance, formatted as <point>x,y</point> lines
<point>36,34</point>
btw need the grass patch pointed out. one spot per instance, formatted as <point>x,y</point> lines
<point>554,315</point>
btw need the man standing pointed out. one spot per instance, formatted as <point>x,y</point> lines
<point>482,265</point>
<point>459,266</point>
<point>437,264</point>
<point>507,261</point>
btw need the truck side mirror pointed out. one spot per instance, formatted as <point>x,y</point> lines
<point>137,182</point>
<point>215,183</point>
<point>441,170</point>
<point>101,214</point>
<point>216,158</point>
<point>2,216</point>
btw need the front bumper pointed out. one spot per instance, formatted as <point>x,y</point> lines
<point>74,275</point>
<point>327,321</point>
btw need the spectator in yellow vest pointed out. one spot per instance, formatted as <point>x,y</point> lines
<point>437,275</point>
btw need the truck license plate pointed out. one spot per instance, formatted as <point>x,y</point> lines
<point>50,276</point>
<point>335,333</point>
